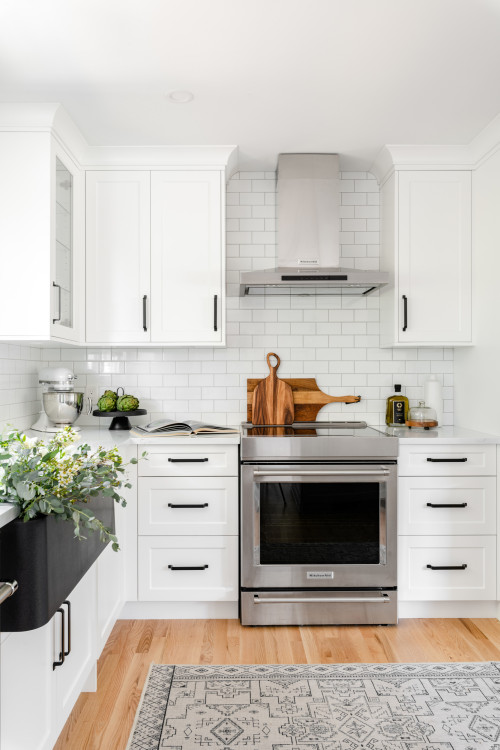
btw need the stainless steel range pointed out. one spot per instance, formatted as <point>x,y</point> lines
<point>318,525</point>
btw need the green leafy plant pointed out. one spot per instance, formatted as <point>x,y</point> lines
<point>56,477</point>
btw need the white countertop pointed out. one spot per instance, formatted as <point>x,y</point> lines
<point>107,438</point>
<point>7,513</point>
<point>439,435</point>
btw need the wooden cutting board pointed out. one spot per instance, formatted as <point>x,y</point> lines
<point>272,398</point>
<point>308,399</point>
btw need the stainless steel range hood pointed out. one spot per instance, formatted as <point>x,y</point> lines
<point>308,235</point>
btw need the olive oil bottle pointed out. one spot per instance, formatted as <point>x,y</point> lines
<point>397,409</point>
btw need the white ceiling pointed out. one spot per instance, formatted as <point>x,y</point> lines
<point>267,75</point>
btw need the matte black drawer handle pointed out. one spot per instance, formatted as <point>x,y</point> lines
<point>447,460</point>
<point>446,505</point>
<point>61,653</point>
<point>405,312</point>
<point>187,460</point>
<point>447,567</point>
<point>202,505</point>
<point>191,567</point>
<point>215,312</point>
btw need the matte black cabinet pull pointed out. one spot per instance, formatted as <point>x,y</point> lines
<point>68,604</point>
<point>405,312</point>
<point>202,505</point>
<point>446,505</point>
<point>56,320</point>
<point>61,652</point>
<point>215,312</point>
<point>187,460</point>
<point>145,312</point>
<point>447,567</point>
<point>188,567</point>
<point>447,460</point>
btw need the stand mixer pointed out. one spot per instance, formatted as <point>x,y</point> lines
<point>61,404</point>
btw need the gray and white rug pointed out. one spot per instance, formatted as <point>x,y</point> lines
<point>320,707</point>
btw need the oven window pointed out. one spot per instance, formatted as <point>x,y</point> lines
<point>319,523</point>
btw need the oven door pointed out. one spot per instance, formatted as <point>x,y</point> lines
<point>318,525</point>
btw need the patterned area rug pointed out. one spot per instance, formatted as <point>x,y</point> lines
<point>320,707</point>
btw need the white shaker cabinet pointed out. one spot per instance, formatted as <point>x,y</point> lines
<point>118,257</point>
<point>155,257</point>
<point>38,687</point>
<point>41,237</point>
<point>426,247</point>
<point>186,257</point>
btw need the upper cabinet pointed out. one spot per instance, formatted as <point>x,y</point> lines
<point>426,247</point>
<point>155,257</point>
<point>41,235</point>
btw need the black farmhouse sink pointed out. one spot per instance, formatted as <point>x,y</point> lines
<point>47,561</point>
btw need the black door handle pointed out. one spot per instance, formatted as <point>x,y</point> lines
<point>187,567</point>
<point>202,505</point>
<point>447,460</point>
<point>61,653</point>
<point>446,505</point>
<point>215,312</point>
<point>187,460</point>
<point>447,567</point>
<point>405,312</point>
<point>144,313</point>
<point>68,604</point>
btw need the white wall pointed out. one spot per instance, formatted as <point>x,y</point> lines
<point>19,399</point>
<point>477,369</point>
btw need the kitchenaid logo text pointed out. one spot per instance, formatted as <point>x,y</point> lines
<point>320,574</point>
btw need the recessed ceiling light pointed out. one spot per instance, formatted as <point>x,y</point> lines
<point>180,97</point>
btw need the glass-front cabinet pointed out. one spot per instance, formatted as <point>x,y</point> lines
<point>65,248</point>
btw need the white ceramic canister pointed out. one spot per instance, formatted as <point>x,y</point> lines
<point>433,395</point>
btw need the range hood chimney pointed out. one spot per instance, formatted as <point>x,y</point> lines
<point>308,235</point>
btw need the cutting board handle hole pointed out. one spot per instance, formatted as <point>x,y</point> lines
<point>271,366</point>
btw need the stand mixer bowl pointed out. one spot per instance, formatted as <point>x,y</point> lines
<point>63,407</point>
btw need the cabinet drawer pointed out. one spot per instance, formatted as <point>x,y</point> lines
<point>469,505</point>
<point>188,505</point>
<point>418,582</point>
<point>216,558</point>
<point>190,460</point>
<point>446,460</point>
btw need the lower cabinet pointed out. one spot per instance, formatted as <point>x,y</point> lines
<point>43,671</point>
<point>188,523</point>
<point>447,510</point>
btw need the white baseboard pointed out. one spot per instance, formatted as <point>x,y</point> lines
<point>179,611</point>
<point>448,609</point>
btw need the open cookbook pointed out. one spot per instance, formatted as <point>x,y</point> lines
<point>166,426</point>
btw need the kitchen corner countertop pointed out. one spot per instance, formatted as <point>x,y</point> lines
<point>109,438</point>
<point>7,513</point>
<point>439,435</point>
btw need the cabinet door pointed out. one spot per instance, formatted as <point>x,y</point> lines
<point>434,294</point>
<point>186,257</point>
<point>118,257</point>
<point>66,247</point>
<point>27,689</point>
<point>80,642</point>
<point>110,595</point>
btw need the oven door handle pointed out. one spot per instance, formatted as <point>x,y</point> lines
<point>383,473</point>
<point>383,599</point>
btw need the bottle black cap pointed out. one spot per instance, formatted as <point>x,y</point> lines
<point>397,388</point>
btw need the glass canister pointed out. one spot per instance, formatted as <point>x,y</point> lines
<point>422,416</point>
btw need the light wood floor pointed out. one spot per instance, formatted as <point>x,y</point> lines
<point>103,720</point>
